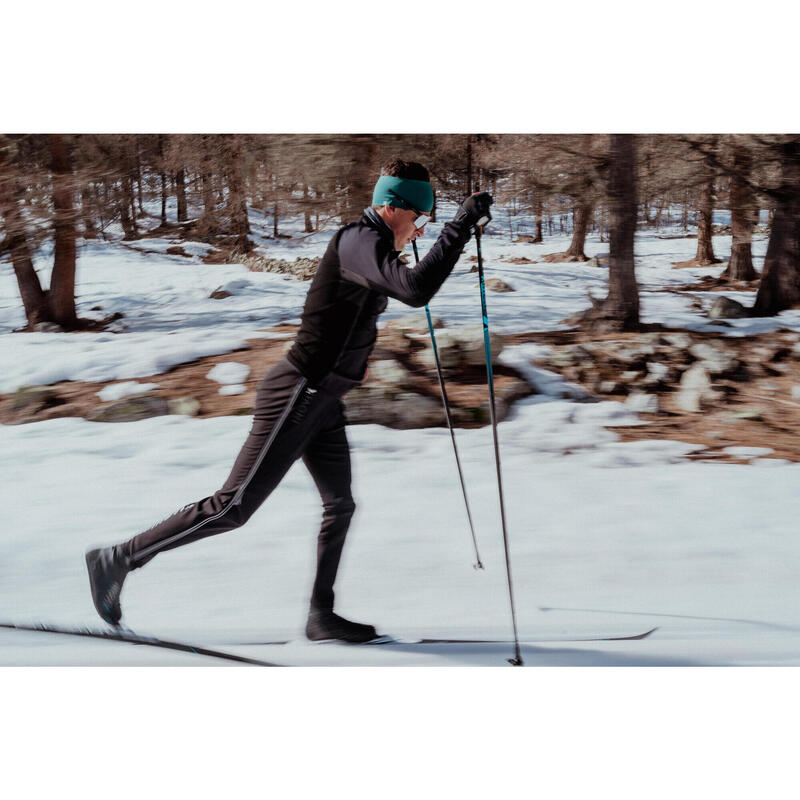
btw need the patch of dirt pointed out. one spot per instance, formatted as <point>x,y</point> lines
<point>708,283</point>
<point>692,263</point>
<point>78,398</point>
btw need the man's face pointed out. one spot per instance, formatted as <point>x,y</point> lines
<point>401,221</point>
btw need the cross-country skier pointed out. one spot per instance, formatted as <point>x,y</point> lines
<point>298,409</point>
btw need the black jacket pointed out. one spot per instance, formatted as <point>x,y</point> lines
<point>359,270</point>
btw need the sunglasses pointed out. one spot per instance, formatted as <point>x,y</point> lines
<point>422,219</point>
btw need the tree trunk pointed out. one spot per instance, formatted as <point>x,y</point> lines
<point>62,279</point>
<point>34,298</point>
<point>582,215</point>
<point>705,250</point>
<point>164,199</point>
<point>180,190</point>
<point>123,203</point>
<point>780,278</point>
<point>163,175</point>
<point>308,227</point>
<point>537,238</point>
<point>740,267</point>
<point>237,201</point>
<point>468,186</point>
<point>132,200</point>
<point>139,177</point>
<point>620,310</point>
<point>87,212</point>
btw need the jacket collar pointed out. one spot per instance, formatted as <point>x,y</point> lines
<point>373,219</point>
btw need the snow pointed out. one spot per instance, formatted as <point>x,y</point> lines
<point>116,391</point>
<point>229,372</point>
<point>615,537</point>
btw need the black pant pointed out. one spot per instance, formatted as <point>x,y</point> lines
<point>291,420</point>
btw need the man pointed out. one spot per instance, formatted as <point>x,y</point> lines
<point>298,410</point>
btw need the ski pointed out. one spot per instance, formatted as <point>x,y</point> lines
<point>126,635</point>
<point>391,640</point>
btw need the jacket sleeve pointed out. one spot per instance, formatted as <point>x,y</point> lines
<point>368,259</point>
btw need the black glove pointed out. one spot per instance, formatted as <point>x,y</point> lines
<point>474,210</point>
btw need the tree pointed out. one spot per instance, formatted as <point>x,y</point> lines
<point>780,278</point>
<point>62,279</point>
<point>620,310</point>
<point>46,164</point>
<point>743,214</point>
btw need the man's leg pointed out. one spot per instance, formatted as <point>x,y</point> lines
<point>275,441</point>
<point>285,418</point>
<point>327,457</point>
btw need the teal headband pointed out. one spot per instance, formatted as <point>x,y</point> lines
<point>403,193</point>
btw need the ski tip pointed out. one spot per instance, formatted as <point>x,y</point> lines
<point>645,634</point>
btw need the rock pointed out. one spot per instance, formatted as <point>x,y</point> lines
<point>658,373</point>
<point>767,353</point>
<point>695,389</point>
<point>631,356</point>
<point>403,410</point>
<point>716,360</point>
<point>642,403</point>
<point>389,373</point>
<point>610,387</point>
<point>219,294</point>
<point>681,341</point>
<point>471,344</point>
<point>397,340</point>
<point>302,268</point>
<point>497,285</point>
<point>448,347</point>
<point>130,409</point>
<point>414,322</point>
<point>188,406</point>
<point>33,397</point>
<point>755,414</point>
<point>569,356</point>
<point>726,308</point>
<point>511,389</point>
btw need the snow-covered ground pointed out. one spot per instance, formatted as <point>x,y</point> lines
<point>615,538</point>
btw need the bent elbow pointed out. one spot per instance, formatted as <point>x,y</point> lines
<point>418,300</point>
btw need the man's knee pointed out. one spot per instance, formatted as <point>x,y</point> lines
<point>340,507</point>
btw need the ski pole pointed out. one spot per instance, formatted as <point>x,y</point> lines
<point>517,660</point>
<point>478,564</point>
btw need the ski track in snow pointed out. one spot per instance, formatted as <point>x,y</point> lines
<point>624,536</point>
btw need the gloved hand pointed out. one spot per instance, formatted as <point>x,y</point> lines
<point>474,210</point>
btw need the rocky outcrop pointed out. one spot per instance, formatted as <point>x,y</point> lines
<point>687,372</point>
<point>401,389</point>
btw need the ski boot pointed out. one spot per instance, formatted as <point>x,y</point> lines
<point>324,625</point>
<point>108,568</point>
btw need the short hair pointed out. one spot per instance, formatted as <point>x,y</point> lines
<point>412,170</point>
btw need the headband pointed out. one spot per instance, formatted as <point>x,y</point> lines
<point>403,193</point>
